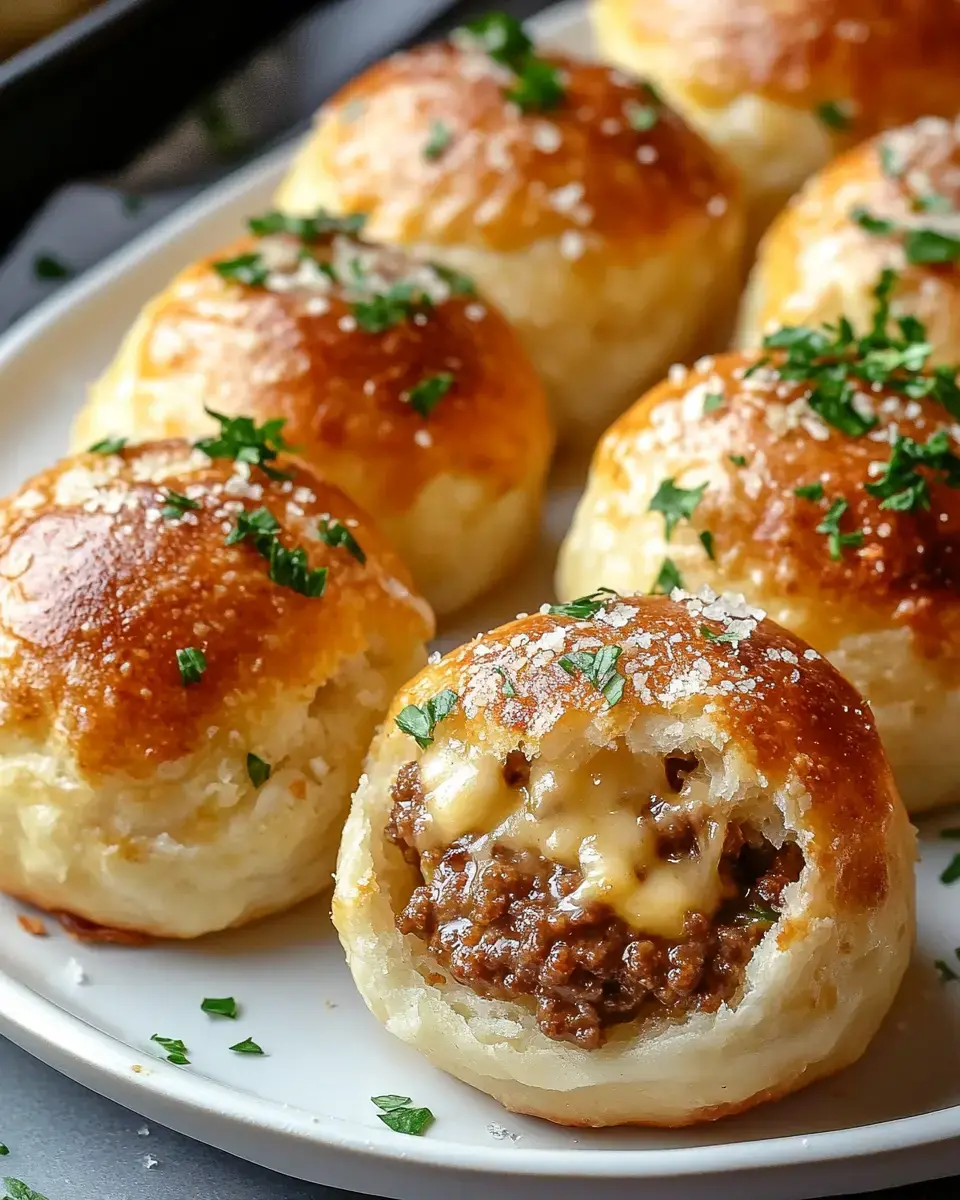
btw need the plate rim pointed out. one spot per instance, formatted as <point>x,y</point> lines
<point>27,1017</point>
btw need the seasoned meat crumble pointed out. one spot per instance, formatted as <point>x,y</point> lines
<point>497,926</point>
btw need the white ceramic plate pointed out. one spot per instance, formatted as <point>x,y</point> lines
<point>305,1109</point>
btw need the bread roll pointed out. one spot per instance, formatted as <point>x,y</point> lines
<point>606,230</point>
<point>396,382</point>
<point>646,864</point>
<point>782,85</point>
<point>732,479</point>
<point>889,203</point>
<point>182,720</point>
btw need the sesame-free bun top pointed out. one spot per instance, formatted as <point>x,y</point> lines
<point>548,208</point>
<point>891,202</point>
<point>778,741</point>
<point>351,374</point>
<point>102,585</point>
<point>754,73</point>
<point>883,601</point>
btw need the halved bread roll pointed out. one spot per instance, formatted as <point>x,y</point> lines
<point>194,654</point>
<point>629,860</point>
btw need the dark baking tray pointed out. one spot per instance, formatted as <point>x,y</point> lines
<point>86,98</point>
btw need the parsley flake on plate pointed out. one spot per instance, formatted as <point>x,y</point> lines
<point>830,525</point>
<point>951,873</point>
<point>424,396</point>
<point>247,1046</point>
<point>584,607</point>
<point>600,668</point>
<point>192,663</point>
<point>307,229</point>
<point>441,135</point>
<point>420,720</point>
<point>45,266</point>
<point>396,1114</point>
<point>335,534</point>
<point>107,446</point>
<point>258,770</point>
<point>243,440</point>
<point>176,1050</point>
<point>669,578</point>
<point>676,504</point>
<point>946,972</point>
<point>175,505</point>
<point>225,1006</point>
<point>17,1190</point>
<point>835,114</point>
<point>4,1150</point>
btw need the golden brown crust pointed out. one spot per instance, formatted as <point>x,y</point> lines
<point>98,592</point>
<point>787,708</point>
<point>890,60</point>
<point>507,178</point>
<point>906,573</point>
<point>815,254</point>
<point>299,354</point>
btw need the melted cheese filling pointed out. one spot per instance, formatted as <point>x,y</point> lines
<point>604,817</point>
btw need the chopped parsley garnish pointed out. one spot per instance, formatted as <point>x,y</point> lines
<point>584,607</point>
<point>288,568</point>
<point>669,578</point>
<point>712,401</point>
<point>809,491</point>
<point>258,770</point>
<point>919,245</point>
<point>247,1046</point>
<point>424,396</point>
<point>227,139</point>
<point>307,229</point>
<point>836,363</point>
<point>835,114</point>
<point>396,1114</point>
<point>641,117</point>
<point>933,202</point>
<point>707,632</point>
<point>4,1150</point>
<point>676,504</point>
<point>243,440</point>
<point>537,85</point>
<point>176,1050</point>
<point>761,912</point>
<point>738,460</point>
<point>108,446</point>
<point>901,487</point>
<point>420,720</point>
<point>381,311</point>
<point>508,688</point>
<point>441,135</point>
<point>192,663</point>
<point>889,163</point>
<point>226,1006</point>
<point>946,972</point>
<point>951,873</point>
<point>45,266</point>
<point>17,1190</point>
<point>131,203</point>
<point>600,667</point>
<point>830,525</point>
<point>335,534</point>
<point>176,505</point>
<point>248,269</point>
<point>458,283</point>
<point>706,540</point>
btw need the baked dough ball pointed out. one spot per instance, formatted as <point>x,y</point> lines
<point>605,229</point>
<point>890,203</point>
<point>849,538</point>
<point>182,720</point>
<point>782,85</point>
<point>651,868</point>
<point>395,381</point>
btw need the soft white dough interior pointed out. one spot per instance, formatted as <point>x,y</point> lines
<point>195,847</point>
<point>820,1002</point>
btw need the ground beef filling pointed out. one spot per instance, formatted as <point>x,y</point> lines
<point>497,926</point>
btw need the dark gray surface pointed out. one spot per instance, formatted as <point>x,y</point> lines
<point>70,1144</point>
